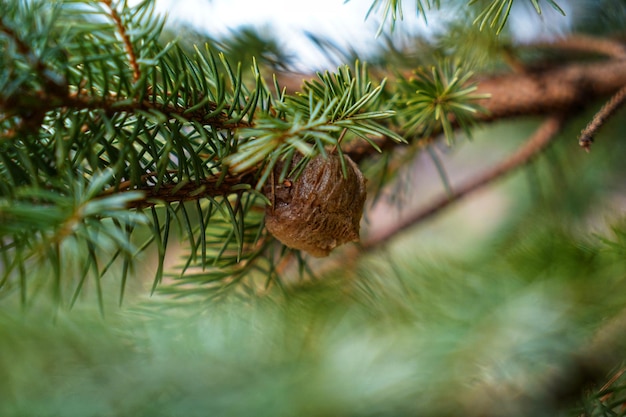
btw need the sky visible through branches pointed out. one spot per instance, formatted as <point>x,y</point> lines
<point>342,23</point>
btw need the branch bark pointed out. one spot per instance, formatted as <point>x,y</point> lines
<point>587,44</point>
<point>548,90</point>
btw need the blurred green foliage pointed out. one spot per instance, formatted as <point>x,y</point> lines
<point>398,333</point>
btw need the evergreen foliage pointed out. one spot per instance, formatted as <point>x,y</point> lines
<point>124,156</point>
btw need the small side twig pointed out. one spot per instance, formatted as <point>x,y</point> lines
<point>537,143</point>
<point>128,46</point>
<point>586,136</point>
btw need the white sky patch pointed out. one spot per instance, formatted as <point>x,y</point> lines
<point>527,26</point>
<point>288,20</point>
<point>343,23</point>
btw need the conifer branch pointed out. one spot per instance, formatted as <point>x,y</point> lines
<point>562,89</point>
<point>113,146</point>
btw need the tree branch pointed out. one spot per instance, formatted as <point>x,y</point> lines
<point>586,136</point>
<point>548,91</point>
<point>588,44</point>
<point>537,143</point>
<point>545,91</point>
<point>113,106</point>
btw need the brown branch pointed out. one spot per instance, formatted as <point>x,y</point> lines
<point>49,101</point>
<point>586,136</point>
<point>128,46</point>
<point>111,106</point>
<point>546,91</point>
<point>537,143</point>
<point>590,44</point>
